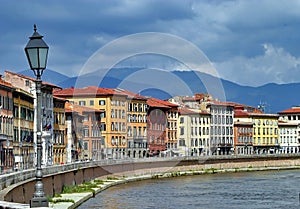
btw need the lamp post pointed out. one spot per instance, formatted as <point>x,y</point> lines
<point>37,51</point>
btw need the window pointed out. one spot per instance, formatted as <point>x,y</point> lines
<point>112,140</point>
<point>103,140</point>
<point>85,145</point>
<point>134,118</point>
<point>27,83</point>
<point>23,113</point>
<point>82,103</point>
<point>96,131</point>
<point>112,126</point>
<point>112,113</point>
<point>103,114</point>
<point>86,131</point>
<point>123,127</point>
<point>103,127</point>
<point>129,132</point>
<point>85,118</point>
<point>181,130</point>
<point>181,142</point>
<point>140,108</point>
<point>101,102</point>
<point>91,102</point>
<point>16,112</point>
<point>181,120</point>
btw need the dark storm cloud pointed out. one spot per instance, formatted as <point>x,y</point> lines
<point>236,35</point>
<point>78,28</point>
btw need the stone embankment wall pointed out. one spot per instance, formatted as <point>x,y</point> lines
<point>55,178</point>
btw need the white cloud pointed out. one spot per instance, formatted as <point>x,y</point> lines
<point>230,33</point>
<point>275,66</point>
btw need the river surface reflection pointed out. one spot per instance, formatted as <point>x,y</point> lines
<point>264,189</point>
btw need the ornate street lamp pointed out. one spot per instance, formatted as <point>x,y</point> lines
<point>37,52</point>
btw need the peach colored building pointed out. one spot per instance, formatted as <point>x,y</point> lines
<point>112,103</point>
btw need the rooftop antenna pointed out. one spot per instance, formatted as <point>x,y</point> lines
<point>264,107</point>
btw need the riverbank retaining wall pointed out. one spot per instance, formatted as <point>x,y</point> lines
<point>54,182</point>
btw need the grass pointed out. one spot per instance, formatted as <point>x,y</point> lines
<point>211,170</point>
<point>61,200</point>
<point>98,181</point>
<point>57,195</point>
<point>82,188</point>
<point>112,178</point>
<point>85,187</point>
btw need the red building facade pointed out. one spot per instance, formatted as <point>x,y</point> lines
<point>157,125</point>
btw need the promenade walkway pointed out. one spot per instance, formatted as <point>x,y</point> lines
<point>190,166</point>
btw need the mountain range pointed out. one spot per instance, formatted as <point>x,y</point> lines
<point>163,85</point>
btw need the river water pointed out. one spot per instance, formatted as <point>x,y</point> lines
<point>263,189</point>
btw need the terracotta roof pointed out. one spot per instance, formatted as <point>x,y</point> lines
<point>153,102</point>
<point>187,111</point>
<point>292,110</point>
<point>87,91</point>
<point>6,84</point>
<point>242,113</point>
<point>32,79</point>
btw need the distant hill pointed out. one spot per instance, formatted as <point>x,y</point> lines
<point>49,75</point>
<point>276,97</point>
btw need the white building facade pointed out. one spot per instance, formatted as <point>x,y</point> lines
<point>288,137</point>
<point>221,128</point>
<point>291,115</point>
<point>193,132</point>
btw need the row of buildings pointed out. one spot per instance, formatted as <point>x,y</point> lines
<point>93,123</point>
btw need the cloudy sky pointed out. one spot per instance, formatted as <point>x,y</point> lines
<point>248,42</point>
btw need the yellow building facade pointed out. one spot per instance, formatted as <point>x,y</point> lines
<point>265,133</point>
<point>113,103</point>
<point>136,125</point>
<point>23,129</point>
<point>59,140</point>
